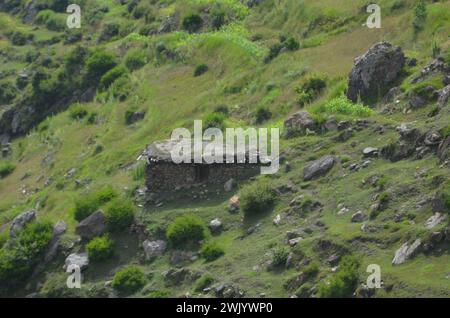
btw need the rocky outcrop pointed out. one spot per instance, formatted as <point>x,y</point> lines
<point>299,123</point>
<point>375,71</point>
<point>81,260</point>
<point>444,96</point>
<point>437,66</point>
<point>318,168</point>
<point>92,226</point>
<point>153,249</point>
<point>406,252</point>
<point>20,221</point>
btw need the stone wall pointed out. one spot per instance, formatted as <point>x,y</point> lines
<point>167,176</point>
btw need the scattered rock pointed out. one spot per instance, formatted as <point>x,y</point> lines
<point>92,226</point>
<point>374,71</point>
<point>178,276</point>
<point>294,241</point>
<point>358,217</point>
<point>435,67</point>
<point>21,221</point>
<point>215,226</point>
<point>80,260</point>
<point>370,152</point>
<point>277,220</point>
<point>179,256</point>
<point>318,168</point>
<point>331,124</point>
<point>154,248</point>
<point>406,252</point>
<point>436,219</point>
<point>300,122</point>
<point>135,117</point>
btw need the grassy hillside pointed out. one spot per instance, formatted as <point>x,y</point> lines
<point>80,148</point>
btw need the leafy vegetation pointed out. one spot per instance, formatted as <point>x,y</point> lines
<point>119,215</point>
<point>186,229</point>
<point>211,251</point>
<point>256,198</point>
<point>129,280</point>
<point>100,248</point>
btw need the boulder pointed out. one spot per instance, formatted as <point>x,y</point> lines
<point>406,252</point>
<point>318,167</point>
<point>434,220</point>
<point>154,248</point>
<point>443,151</point>
<point>331,124</point>
<point>176,276</point>
<point>375,71</point>
<point>92,226</point>
<point>444,96</point>
<point>21,221</point>
<point>358,217</point>
<point>370,152</point>
<point>215,226</point>
<point>437,66</point>
<point>80,259</point>
<point>300,122</point>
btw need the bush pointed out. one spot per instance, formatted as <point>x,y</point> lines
<point>186,229</point>
<point>341,105</point>
<point>99,63</point>
<point>18,259</point>
<point>310,89</point>
<point>100,248</point>
<point>192,23</point>
<point>56,287</point>
<point>203,282</point>
<point>75,59</point>
<point>19,38</point>
<point>344,282</point>
<point>200,70</point>
<point>51,20</point>
<point>119,215</point>
<point>135,59</point>
<point>256,198</point>
<point>292,44</point>
<point>158,294</point>
<point>77,112</point>
<point>6,169</point>
<point>211,251</point>
<point>129,280</point>
<point>88,204</point>
<point>214,120</point>
<point>7,92</point>
<point>420,16</point>
<point>121,88</point>
<point>112,75</point>
<point>262,114</point>
<point>280,257</point>
<point>218,19</point>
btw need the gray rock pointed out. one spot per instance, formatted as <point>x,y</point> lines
<point>59,228</point>
<point>370,152</point>
<point>434,220</point>
<point>331,124</point>
<point>135,117</point>
<point>375,71</point>
<point>80,260</point>
<point>358,217</point>
<point>154,248</point>
<point>444,96</point>
<point>300,122</point>
<point>21,221</point>
<point>92,226</point>
<point>416,101</point>
<point>215,226</point>
<point>318,168</point>
<point>435,67</point>
<point>406,252</point>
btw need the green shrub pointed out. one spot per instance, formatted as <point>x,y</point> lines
<point>3,238</point>
<point>135,59</point>
<point>78,112</point>
<point>262,114</point>
<point>129,280</point>
<point>280,257</point>
<point>186,229</point>
<point>87,204</point>
<point>56,287</point>
<point>200,69</point>
<point>420,16</point>
<point>7,92</point>
<point>6,168</point>
<point>292,44</point>
<point>218,18</point>
<point>18,259</point>
<point>99,63</point>
<point>51,20</point>
<point>192,23</point>
<point>121,88</point>
<point>119,214</point>
<point>112,75</point>
<point>75,59</point>
<point>211,251</point>
<point>341,105</point>
<point>274,51</point>
<point>19,38</point>
<point>158,294</point>
<point>214,120</point>
<point>256,198</point>
<point>344,282</point>
<point>100,248</point>
<point>203,282</point>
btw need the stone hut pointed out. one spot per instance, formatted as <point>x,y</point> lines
<point>163,175</point>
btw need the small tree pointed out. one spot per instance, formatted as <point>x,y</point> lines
<point>192,23</point>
